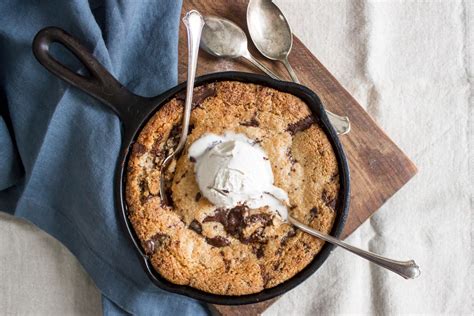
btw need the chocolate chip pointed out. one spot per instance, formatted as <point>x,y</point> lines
<point>169,196</point>
<point>300,125</point>
<point>264,218</point>
<point>329,199</point>
<point>155,148</point>
<point>290,234</point>
<point>173,139</point>
<point>235,221</point>
<point>227,262</point>
<point>190,128</point>
<point>278,266</point>
<point>265,276</point>
<point>202,93</point>
<point>306,247</point>
<point>220,216</point>
<point>218,241</point>
<point>175,131</point>
<point>156,241</point>
<point>149,247</point>
<point>198,196</point>
<point>192,159</point>
<point>258,250</point>
<point>232,220</point>
<point>265,158</point>
<point>138,149</point>
<point>196,226</point>
<point>253,122</point>
<point>256,237</point>
<point>199,94</point>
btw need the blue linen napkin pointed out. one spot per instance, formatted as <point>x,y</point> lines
<point>58,146</point>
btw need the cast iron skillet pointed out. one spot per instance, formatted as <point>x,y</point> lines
<point>134,111</point>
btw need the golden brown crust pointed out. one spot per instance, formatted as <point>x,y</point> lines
<point>239,251</point>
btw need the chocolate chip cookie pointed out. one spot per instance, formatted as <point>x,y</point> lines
<point>234,251</point>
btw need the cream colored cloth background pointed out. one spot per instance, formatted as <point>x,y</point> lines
<point>409,64</point>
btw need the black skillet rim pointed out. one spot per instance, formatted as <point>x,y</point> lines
<point>342,205</point>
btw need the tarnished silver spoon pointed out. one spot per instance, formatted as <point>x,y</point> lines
<point>224,38</point>
<point>194,23</point>
<point>271,34</point>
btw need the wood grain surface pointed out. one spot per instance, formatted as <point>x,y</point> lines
<point>378,167</point>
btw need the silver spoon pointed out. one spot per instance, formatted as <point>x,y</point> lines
<point>194,23</point>
<point>407,269</point>
<point>224,38</point>
<point>271,34</point>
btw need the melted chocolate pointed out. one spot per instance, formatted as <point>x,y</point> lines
<point>265,276</point>
<point>256,237</point>
<point>301,125</point>
<point>138,149</point>
<point>220,216</point>
<point>264,218</point>
<point>196,226</point>
<point>169,196</point>
<point>258,250</point>
<point>155,242</point>
<point>235,222</point>
<point>253,122</point>
<point>199,95</point>
<point>218,241</point>
<point>198,196</point>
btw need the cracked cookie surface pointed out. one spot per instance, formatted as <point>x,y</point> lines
<point>232,251</point>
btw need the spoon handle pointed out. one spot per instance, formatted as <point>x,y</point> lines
<point>407,269</point>
<point>341,124</point>
<point>260,66</point>
<point>290,70</point>
<point>194,23</point>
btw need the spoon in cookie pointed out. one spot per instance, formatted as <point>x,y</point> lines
<point>194,23</point>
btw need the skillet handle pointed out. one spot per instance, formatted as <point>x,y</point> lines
<point>99,83</point>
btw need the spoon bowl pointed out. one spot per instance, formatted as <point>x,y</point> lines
<point>224,38</point>
<point>269,29</point>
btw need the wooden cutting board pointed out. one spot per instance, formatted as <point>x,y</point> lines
<point>378,167</point>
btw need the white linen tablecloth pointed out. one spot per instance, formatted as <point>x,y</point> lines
<point>409,64</point>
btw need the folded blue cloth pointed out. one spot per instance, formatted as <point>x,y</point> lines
<point>59,147</point>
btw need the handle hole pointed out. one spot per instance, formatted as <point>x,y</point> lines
<point>64,56</point>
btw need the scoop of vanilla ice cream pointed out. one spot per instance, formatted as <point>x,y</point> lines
<point>232,170</point>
